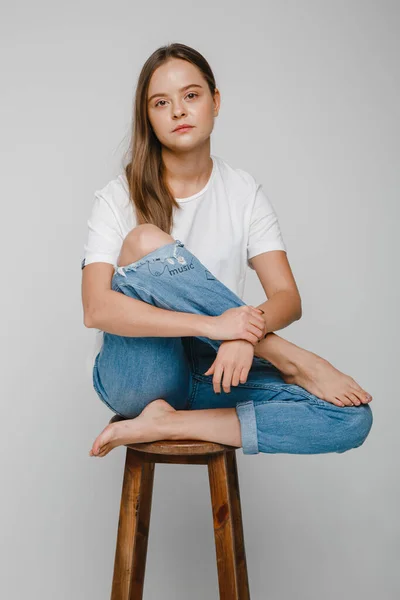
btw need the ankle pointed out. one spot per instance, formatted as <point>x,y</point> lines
<point>288,364</point>
<point>171,426</point>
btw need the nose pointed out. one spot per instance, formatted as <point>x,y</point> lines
<point>178,111</point>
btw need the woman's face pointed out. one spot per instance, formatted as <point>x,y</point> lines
<point>169,105</point>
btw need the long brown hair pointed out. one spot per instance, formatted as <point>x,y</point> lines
<point>144,172</point>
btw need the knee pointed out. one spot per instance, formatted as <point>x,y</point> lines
<point>142,240</point>
<point>147,235</point>
<point>361,425</point>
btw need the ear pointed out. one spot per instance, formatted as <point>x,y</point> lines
<point>217,102</point>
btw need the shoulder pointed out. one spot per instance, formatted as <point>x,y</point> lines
<point>115,193</point>
<point>237,180</point>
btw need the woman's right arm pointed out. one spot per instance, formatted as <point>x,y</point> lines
<point>115,313</point>
<point>112,311</point>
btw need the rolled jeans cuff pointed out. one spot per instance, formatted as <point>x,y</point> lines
<point>248,425</point>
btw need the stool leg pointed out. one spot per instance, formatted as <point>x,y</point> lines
<point>236,509</point>
<point>228,533</point>
<point>133,528</point>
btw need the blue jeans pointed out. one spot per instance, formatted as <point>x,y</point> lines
<point>274,416</point>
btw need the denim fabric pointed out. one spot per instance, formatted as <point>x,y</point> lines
<point>274,416</point>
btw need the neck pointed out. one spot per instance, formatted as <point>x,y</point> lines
<point>187,169</point>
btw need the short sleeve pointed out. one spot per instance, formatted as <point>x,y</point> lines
<point>104,238</point>
<point>264,230</point>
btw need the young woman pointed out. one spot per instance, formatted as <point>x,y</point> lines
<point>163,275</point>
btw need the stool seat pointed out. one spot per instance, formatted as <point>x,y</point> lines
<point>135,509</point>
<point>180,447</point>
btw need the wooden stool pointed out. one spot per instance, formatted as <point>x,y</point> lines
<point>134,516</point>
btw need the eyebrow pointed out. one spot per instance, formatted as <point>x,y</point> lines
<point>181,90</point>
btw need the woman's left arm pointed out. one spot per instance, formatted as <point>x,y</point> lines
<point>284,303</point>
<point>234,357</point>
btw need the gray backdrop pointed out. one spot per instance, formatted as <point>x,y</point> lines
<point>310,108</point>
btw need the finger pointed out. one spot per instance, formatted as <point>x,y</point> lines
<point>236,376</point>
<point>259,332</point>
<point>226,379</point>
<point>260,310</point>
<point>257,316</point>
<point>260,323</point>
<point>217,378</point>
<point>210,371</point>
<point>243,374</point>
<point>250,337</point>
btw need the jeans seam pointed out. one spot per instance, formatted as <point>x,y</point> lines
<point>192,355</point>
<point>192,395</point>
<point>277,387</point>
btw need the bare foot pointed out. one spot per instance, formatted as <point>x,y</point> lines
<point>149,426</point>
<point>318,376</point>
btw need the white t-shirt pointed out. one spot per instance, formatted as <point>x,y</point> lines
<point>225,224</point>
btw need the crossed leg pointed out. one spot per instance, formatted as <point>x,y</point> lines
<point>296,364</point>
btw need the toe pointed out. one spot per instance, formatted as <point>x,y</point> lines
<point>363,396</point>
<point>100,441</point>
<point>337,401</point>
<point>104,450</point>
<point>360,392</point>
<point>353,398</point>
<point>345,400</point>
<point>97,446</point>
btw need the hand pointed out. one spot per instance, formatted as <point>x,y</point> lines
<point>239,323</point>
<point>232,364</point>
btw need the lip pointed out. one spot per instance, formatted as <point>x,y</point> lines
<point>183,127</point>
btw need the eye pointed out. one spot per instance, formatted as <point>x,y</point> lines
<point>189,94</point>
